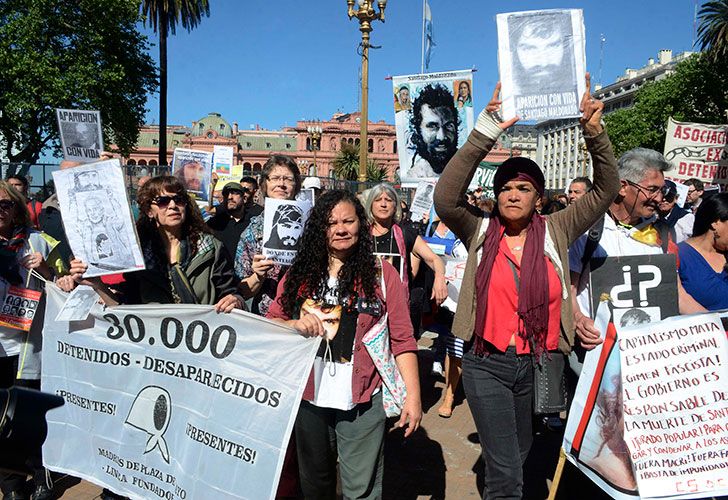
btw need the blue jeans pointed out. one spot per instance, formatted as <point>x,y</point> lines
<point>499,388</point>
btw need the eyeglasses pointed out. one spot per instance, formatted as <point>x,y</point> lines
<point>6,205</point>
<point>649,192</point>
<point>288,179</point>
<point>164,201</point>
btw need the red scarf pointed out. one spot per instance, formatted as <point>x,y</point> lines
<point>533,293</point>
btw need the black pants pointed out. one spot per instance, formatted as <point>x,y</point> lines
<point>499,388</point>
<point>356,436</point>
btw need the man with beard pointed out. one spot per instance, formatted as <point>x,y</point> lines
<point>434,127</point>
<point>627,229</point>
<point>233,215</point>
<point>287,228</point>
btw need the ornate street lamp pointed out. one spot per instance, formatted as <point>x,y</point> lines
<point>314,134</point>
<point>365,13</point>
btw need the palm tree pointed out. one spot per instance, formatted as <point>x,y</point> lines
<point>164,16</point>
<point>713,29</point>
<point>346,165</point>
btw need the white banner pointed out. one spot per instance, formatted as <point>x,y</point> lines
<point>542,63</point>
<point>433,115</point>
<point>697,150</point>
<point>172,401</point>
<point>675,398</point>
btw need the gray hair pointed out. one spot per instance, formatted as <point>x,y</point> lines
<point>375,193</point>
<point>634,164</point>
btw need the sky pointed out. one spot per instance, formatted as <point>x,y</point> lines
<point>273,62</point>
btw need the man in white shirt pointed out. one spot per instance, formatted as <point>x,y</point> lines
<point>626,231</point>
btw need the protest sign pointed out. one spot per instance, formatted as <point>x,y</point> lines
<point>682,193</point>
<point>97,218</point>
<point>222,157</point>
<point>483,178</point>
<point>422,201</point>
<point>640,288</point>
<point>19,307</point>
<point>194,171</point>
<point>283,222</point>
<point>454,272</point>
<point>78,304</point>
<point>674,394</point>
<point>697,151</point>
<point>306,195</point>
<point>81,136</point>
<point>542,63</point>
<point>433,116</point>
<point>176,402</point>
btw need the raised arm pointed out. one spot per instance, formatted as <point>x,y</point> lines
<point>578,217</point>
<point>450,203</point>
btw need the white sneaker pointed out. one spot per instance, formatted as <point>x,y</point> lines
<point>437,369</point>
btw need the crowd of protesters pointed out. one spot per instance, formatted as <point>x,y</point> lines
<point>355,248</point>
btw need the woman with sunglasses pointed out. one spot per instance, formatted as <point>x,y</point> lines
<point>185,264</point>
<point>27,258</point>
<point>259,277</point>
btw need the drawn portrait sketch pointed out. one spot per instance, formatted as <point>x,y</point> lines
<point>78,304</point>
<point>97,218</point>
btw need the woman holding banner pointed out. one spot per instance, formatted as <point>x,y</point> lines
<point>384,213</point>
<point>703,267</point>
<point>185,264</point>
<point>27,258</point>
<point>514,306</point>
<point>331,291</point>
<point>281,180</point>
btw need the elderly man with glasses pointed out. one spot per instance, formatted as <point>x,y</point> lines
<point>627,229</point>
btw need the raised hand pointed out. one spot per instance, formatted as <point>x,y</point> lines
<point>592,109</point>
<point>494,107</point>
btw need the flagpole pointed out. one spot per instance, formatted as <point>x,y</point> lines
<point>423,37</point>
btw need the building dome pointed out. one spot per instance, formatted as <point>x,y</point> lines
<point>212,122</point>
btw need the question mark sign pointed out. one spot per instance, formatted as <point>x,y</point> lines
<point>645,285</point>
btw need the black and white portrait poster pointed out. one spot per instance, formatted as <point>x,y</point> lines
<point>78,304</point>
<point>422,201</point>
<point>306,195</point>
<point>194,170</point>
<point>433,115</point>
<point>97,218</point>
<point>542,63</point>
<point>640,289</point>
<point>283,223</point>
<point>81,136</point>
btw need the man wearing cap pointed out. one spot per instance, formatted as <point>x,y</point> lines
<point>228,224</point>
<point>676,220</point>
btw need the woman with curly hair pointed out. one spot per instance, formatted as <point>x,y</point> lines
<point>336,289</point>
<point>185,264</point>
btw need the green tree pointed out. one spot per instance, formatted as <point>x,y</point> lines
<point>164,16</point>
<point>695,92</point>
<point>346,165</point>
<point>713,30</point>
<point>83,54</point>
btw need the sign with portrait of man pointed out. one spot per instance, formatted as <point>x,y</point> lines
<point>542,63</point>
<point>81,136</point>
<point>283,225</point>
<point>433,116</point>
<point>194,170</point>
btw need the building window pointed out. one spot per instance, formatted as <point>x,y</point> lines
<point>222,127</point>
<point>256,167</point>
<point>153,163</point>
<point>308,144</point>
<point>288,145</point>
<point>249,144</point>
<point>370,145</point>
<point>131,162</point>
<point>268,145</point>
<point>247,166</point>
<point>143,163</point>
<point>394,147</point>
<point>155,142</point>
<point>210,135</point>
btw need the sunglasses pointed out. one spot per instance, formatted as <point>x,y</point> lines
<point>6,205</point>
<point>164,201</point>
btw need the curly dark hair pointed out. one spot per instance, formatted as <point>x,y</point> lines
<point>309,272</point>
<point>192,228</point>
<point>435,96</point>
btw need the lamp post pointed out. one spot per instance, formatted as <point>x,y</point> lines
<point>365,13</point>
<point>314,133</point>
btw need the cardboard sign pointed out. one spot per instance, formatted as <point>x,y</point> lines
<point>19,307</point>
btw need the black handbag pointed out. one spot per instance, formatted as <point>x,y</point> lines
<point>549,383</point>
